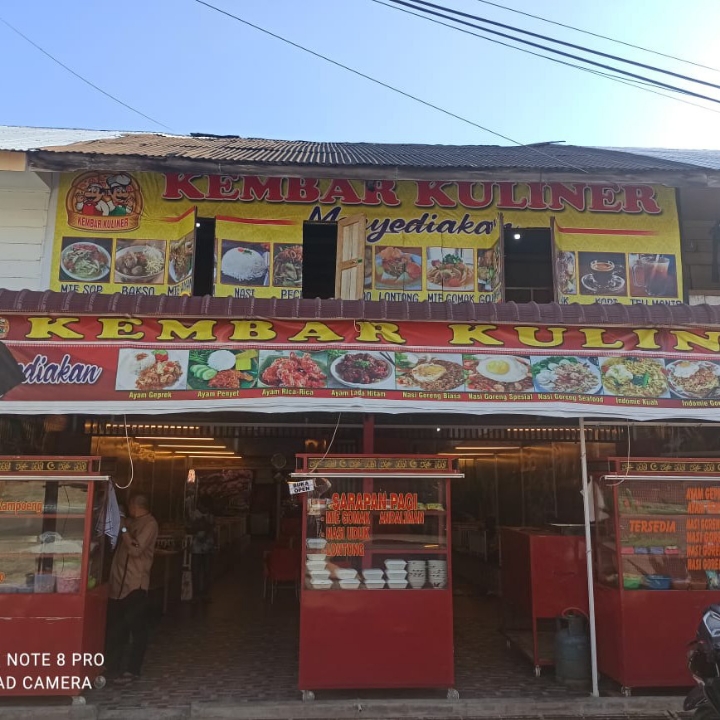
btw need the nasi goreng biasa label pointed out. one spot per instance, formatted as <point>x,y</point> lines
<point>107,364</point>
<point>424,239</point>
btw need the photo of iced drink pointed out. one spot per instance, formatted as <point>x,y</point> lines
<point>651,273</point>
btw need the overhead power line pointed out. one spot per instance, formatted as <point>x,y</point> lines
<point>390,87</point>
<point>596,35</point>
<point>80,77</point>
<point>627,73</point>
<point>646,87</point>
<point>574,46</point>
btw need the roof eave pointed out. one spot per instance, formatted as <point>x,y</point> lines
<point>27,302</point>
<point>46,161</point>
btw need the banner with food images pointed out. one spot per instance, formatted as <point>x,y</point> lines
<point>431,240</point>
<point>100,365</point>
<point>596,265</point>
<point>110,243</point>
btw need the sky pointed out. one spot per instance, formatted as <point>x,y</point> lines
<point>194,70</point>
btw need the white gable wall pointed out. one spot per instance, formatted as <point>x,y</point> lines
<point>25,212</point>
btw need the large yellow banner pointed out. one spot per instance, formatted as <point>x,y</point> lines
<point>425,240</point>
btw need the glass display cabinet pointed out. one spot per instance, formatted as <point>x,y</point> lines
<point>53,591</point>
<point>376,598</point>
<point>657,565</point>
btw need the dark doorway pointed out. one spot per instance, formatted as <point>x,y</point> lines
<point>203,279</point>
<point>319,259</point>
<point>528,265</point>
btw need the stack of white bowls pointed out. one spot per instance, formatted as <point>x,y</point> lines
<point>417,573</point>
<point>438,572</point>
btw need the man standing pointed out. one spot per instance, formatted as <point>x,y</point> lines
<point>129,584</point>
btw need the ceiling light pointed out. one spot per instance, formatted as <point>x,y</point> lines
<point>206,452</point>
<point>466,455</point>
<point>487,447</point>
<point>195,447</point>
<point>170,437</point>
<point>194,456</point>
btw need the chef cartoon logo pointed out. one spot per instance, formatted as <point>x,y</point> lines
<point>105,202</point>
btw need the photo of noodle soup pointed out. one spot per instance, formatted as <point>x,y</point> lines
<point>450,269</point>
<point>634,377</point>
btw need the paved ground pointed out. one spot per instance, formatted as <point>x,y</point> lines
<point>237,658</point>
<point>240,648</point>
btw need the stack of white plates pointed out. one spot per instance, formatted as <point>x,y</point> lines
<point>438,573</point>
<point>417,573</point>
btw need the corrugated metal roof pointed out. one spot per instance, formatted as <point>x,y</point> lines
<point>13,137</point>
<point>259,151</point>
<point>708,159</point>
<point>32,302</point>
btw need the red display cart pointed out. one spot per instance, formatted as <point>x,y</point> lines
<point>657,566</point>
<point>52,596</point>
<point>542,575</point>
<point>376,601</point>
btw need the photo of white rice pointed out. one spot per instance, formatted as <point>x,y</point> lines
<point>243,265</point>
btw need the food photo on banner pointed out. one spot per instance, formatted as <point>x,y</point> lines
<point>423,240</point>
<point>226,492</point>
<point>175,364</point>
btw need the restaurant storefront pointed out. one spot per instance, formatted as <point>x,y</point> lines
<point>502,396</point>
<point>209,321</point>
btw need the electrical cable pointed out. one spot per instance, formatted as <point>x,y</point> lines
<point>630,83</point>
<point>427,103</point>
<point>564,43</point>
<point>597,35</point>
<point>656,83</point>
<point>80,77</point>
<point>132,465</point>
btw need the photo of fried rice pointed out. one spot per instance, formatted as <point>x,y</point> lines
<point>498,373</point>
<point>432,373</point>
<point>694,378</point>
<point>567,375</point>
<point>634,377</point>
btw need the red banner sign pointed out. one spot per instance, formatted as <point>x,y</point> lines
<point>113,364</point>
